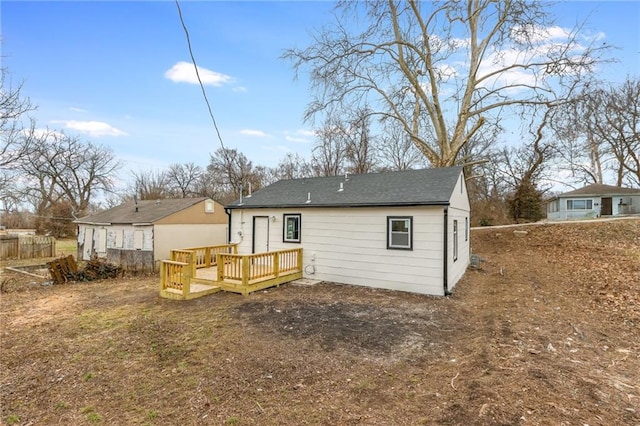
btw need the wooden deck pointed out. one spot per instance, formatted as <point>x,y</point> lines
<point>201,271</point>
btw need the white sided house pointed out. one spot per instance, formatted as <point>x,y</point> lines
<point>136,234</point>
<point>406,230</point>
<point>592,201</point>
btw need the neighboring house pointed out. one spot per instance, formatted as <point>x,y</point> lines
<point>136,234</point>
<point>594,201</point>
<point>406,230</point>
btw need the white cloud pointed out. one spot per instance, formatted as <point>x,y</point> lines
<point>299,136</point>
<point>92,128</point>
<point>537,34</point>
<point>75,109</point>
<point>240,89</point>
<point>255,133</point>
<point>41,133</point>
<point>184,72</point>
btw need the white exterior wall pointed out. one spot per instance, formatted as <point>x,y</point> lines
<point>459,210</point>
<point>349,245</point>
<point>173,236</point>
<point>118,236</point>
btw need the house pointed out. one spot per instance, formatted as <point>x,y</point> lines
<point>594,201</point>
<point>405,230</point>
<point>136,234</point>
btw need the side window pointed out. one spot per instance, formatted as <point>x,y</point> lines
<point>455,240</point>
<point>400,233</point>
<point>466,229</point>
<point>292,226</point>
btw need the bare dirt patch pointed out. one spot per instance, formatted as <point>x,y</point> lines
<point>545,332</point>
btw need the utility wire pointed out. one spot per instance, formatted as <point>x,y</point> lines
<point>204,93</point>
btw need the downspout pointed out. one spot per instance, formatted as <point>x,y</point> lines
<point>445,263</point>
<point>228,212</point>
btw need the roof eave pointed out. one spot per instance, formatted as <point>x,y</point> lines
<point>323,205</point>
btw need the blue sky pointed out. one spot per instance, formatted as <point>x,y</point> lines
<point>119,73</point>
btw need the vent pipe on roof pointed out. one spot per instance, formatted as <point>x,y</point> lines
<point>240,194</point>
<point>341,187</point>
<point>346,176</point>
<point>249,195</point>
<point>135,202</point>
<point>308,197</point>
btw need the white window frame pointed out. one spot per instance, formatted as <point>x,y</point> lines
<point>408,220</point>
<point>588,204</point>
<point>455,240</point>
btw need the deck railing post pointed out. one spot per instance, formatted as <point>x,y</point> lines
<point>207,257</point>
<point>276,264</point>
<point>246,270</point>
<point>163,277</point>
<point>220,267</point>
<point>186,279</point>
<point>299,260</point>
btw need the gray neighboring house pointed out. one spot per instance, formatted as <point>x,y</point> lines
<point>592,201</point>
<point>406,230</point>
<point>135,235</point>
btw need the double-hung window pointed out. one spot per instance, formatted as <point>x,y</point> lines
<point>400,232</point>
<point>291,231</point>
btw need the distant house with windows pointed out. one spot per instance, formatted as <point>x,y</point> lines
<point>592,201</point>
<point>136,234</point>
<point>405,230</point>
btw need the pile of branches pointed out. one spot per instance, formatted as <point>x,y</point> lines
<point>96,269</point>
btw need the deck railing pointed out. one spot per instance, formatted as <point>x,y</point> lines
<point>250,267</point>
<point>242,273</point>
<point>175,277</point>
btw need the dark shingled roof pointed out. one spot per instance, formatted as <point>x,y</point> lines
<point>149,211</point>
<point>599,189</point>
<point>403,188</point>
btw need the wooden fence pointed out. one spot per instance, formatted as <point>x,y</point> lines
<point>26,247</point>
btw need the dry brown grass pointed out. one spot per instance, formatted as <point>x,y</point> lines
<point>546,332</point>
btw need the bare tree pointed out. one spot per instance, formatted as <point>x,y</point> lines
<point>60,167</point>
<point>183,178</point>
<point>443,69</point>
<point>361,146</point>
<point>397,152</point>
<point>151,185</point>
<point>292,166</point>
<point>328,154</point>
<point>525,165</point>
<point>13,108</point>
<point>231,174</point>
<point>600,134</point>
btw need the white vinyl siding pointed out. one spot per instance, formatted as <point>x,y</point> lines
<point>349,245</point>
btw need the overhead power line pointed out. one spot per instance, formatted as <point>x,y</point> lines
<point>195,66</point>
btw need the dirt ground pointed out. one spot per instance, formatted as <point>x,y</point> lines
<point>546,331</point>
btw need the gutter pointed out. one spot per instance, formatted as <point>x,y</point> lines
<point>445,263</point>
<point>228,212</point>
